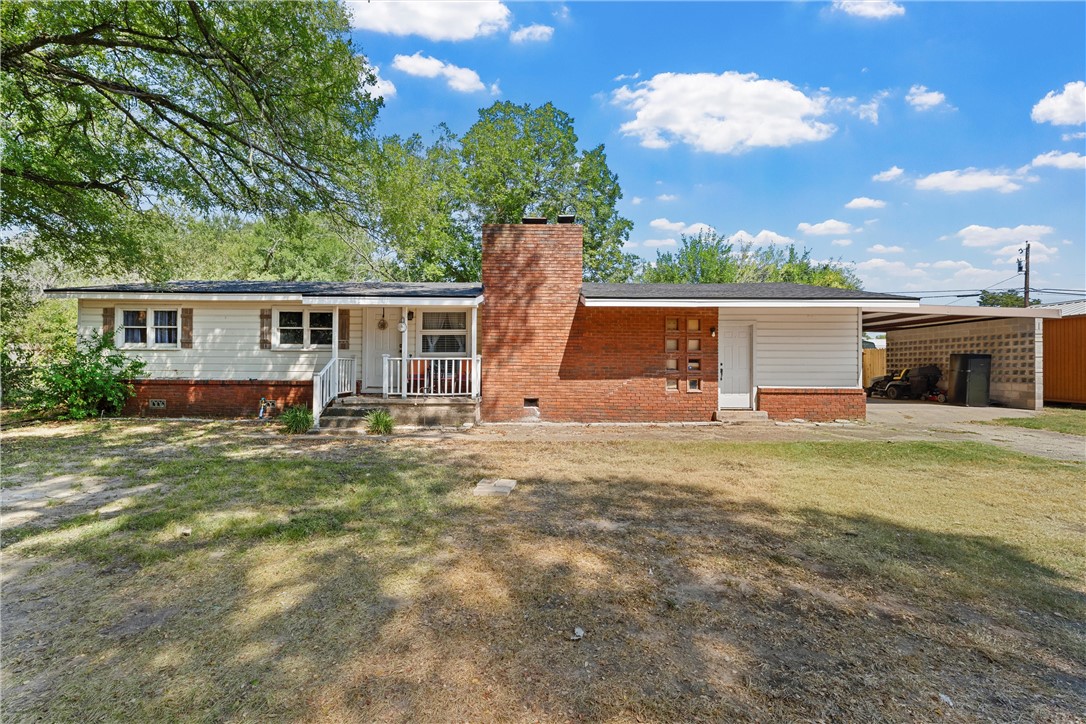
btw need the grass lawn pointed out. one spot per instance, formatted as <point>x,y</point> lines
<point>1057,419</point>
<point>213,571</point>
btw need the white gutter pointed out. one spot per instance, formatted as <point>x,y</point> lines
<point>396,301</point>
<point>175,296</point>
<point>745,303</point>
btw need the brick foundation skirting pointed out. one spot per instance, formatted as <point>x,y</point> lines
<point>215,398</point>
<point>818,404</point>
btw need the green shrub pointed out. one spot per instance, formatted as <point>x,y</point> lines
<point>92,380</point>
<point>379,422</point>
<point>297,419</point>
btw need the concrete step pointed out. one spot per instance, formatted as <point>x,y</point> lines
<point>350,412</point>
<point>742,417</point>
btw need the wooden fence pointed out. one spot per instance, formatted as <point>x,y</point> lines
<point>874,364</point>
<point>1064,360</point>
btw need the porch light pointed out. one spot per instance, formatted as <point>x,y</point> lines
<point>402,326</point>
<point>712,331</point>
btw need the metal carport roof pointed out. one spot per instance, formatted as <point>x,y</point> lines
<point>889,319</point>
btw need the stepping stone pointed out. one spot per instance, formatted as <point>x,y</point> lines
<point>495,486</point>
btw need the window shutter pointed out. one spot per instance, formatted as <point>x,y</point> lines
<point>186,328</point>
<point>345,329</point>
<point>265,328</point>
<point>107,321</point>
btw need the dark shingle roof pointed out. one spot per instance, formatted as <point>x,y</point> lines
<point>768,290</point>
<point>765,290</point>
<point>317,289</point>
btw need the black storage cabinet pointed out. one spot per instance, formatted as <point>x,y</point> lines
<point>969,379</point>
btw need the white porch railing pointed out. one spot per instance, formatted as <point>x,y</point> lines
<point>335,379</point>
<point>431,377</point>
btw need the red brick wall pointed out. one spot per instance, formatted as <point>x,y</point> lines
<point>582,364</point>
<point>215,398</point>
<point>817,404</point>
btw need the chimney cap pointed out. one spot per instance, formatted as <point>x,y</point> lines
<point>534,220</point>
<point>566,218</point>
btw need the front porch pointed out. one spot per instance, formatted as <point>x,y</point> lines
<point>415,356</point>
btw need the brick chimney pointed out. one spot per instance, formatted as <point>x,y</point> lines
<point>532,276</point>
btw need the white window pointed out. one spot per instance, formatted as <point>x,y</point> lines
<point>297,329</point>
<point>150,328</point>
<point>444,334</point>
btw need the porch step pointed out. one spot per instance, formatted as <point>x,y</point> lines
<point>349,413</point>
<point>742,417</point>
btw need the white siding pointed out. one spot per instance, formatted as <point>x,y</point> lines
<point>225,343</point>
<point>798,348</point>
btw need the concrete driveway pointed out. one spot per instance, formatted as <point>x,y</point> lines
<point>903,412</point>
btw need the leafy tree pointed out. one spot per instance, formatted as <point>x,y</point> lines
<point>709,258</point>
<point>1009,298</point>
<point>114,108</point>
<point>515,161</point>
<point>307,247</point>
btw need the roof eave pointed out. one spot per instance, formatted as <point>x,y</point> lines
<point>778,303</point>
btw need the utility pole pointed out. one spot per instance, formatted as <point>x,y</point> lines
<point>1025,295</point>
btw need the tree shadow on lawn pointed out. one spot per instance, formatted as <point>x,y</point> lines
<point>374,587</point>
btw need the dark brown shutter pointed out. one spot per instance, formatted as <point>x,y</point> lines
<point>107,321</point>
<point>345,329</point>
<point>265,328</point>
<point>186,328</point>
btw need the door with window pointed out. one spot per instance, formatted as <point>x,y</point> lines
<point>734,375</point>
<point>381,337</point>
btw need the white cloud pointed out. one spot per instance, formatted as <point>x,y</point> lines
<point>870,111</point>
<point>667,197</point>
<point>873,9</point>
<point>880,249</point>
<point>728,112</point>
<point>1073,136</point>
<point>977,235</point>
<point>762,238</point>
<point>463,80</point>
<point>636,200</point>
<point>445,20</point>
<point>972,179</point>
<point>842,242</point>
<point>532,34</point>
<point>863,202</point>
<point>889,174</point>
<point>382,87</point>
<point>561,12</point>
<point>629,245</point>
<point>1070,160</point>
<point>1038,252</point>
<point>659,242</point>
<point>922,99</point>
<point>627,76</point>
<point>885,266</point>
<point>829,227</point>
<point>1066,108</point>
<point>679,227</point>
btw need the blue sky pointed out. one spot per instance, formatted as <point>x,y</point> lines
<point>922,142</point>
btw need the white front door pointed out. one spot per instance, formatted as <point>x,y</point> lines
<point>734,374</point>
<point>381,336</point>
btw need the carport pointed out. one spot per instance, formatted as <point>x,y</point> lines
<point>929,334</point>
